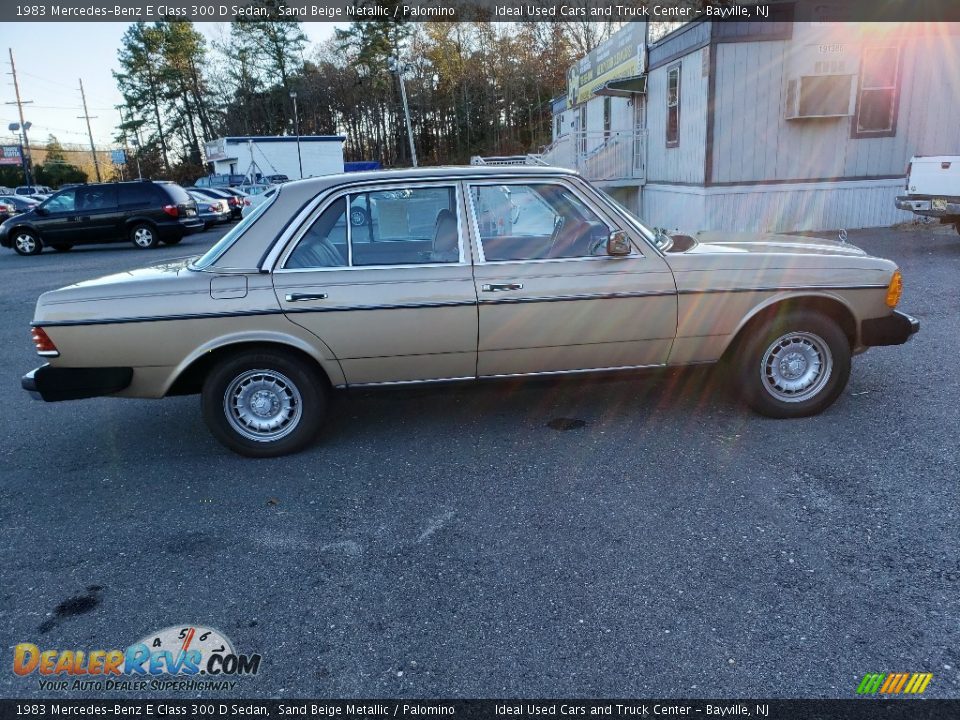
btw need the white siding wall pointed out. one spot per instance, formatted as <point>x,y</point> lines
<point>753,141</point>
<point>280,158</point>
<point>683,163</point>
<point>774,208</point>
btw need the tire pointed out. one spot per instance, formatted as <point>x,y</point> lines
<point>264,403</point>
<point>173,240</point>
<point>62,247</point>
<point>144,236</point>
<point>796,365</point>
<point>26,242</point>
<point>358,217</point>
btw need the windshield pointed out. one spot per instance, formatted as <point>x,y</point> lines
<point>660,239</point>
<point>211,255</point>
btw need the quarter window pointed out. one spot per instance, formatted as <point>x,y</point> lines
<point>673,106</point>
<point>877,98</point>
<point>539,221</point>
<point>325,242</point>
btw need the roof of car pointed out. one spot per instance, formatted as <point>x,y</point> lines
<point>432,173</point>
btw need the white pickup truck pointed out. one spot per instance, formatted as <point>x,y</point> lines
<point>933,188</point>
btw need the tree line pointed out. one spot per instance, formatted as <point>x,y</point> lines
<point>473,87</point>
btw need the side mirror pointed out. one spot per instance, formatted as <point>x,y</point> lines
<point>618,244</point>
<point>40,210</point>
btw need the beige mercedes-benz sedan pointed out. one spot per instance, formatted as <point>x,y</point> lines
<point>437,274</point>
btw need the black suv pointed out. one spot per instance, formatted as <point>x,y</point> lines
<point>144,212</point>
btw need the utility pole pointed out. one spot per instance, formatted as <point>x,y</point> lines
<point>397,66</point>
<point>86,116</point>
<point>24,126</point>
<point>296,123</point>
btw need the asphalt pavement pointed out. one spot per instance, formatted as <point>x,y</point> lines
<point>641,536</point>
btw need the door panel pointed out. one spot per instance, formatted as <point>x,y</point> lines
<point>552,314</point>
<point>414,320</point>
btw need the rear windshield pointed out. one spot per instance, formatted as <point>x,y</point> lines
<point>177,193</point>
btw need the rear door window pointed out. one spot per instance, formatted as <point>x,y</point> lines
<point>139,195</point>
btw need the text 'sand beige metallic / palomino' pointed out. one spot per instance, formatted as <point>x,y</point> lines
<point>458,274</point>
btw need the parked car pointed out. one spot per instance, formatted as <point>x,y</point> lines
<point>34,190</point>
<point>144,212</point>
<point>276,179</point>
<point>234,203</point>
<point>933,188</point>
<point>15,204</point>
<point>255,195</point>
<point>212,211</point>
<point>295,301</point>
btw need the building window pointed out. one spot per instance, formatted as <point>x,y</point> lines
<point>673,106</point>
<point>607,118</point>
<point>878,95</point>
<point>559,131</point>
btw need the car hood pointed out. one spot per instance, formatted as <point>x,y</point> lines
<point>713,242</point>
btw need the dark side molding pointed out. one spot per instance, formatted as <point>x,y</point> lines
<point>895,329</point>
<point>54,384</point>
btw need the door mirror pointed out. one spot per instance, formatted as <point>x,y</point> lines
<point>40,210</point>
<point>618,244</point>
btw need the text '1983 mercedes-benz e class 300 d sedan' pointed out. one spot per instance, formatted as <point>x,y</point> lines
<point>458,274</point>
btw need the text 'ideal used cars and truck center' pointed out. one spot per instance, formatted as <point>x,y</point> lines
<point>446,274</point>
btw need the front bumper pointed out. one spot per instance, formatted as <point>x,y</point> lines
<point>54,384</point>
<point>895,329</point>
<point>929,206</point>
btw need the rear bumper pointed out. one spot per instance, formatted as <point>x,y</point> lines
<point>929,205</point>
<point>894,329</point>
<point>54,384</point>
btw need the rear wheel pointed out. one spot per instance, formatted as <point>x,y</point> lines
<point>797,365</point>
<point>264,403</point>
<point>26,242</point>
<point>62,247</point>
<point>144,236</point>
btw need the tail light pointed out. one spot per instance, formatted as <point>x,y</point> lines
<point>894,289</point>
<point>171,210</point>
<point>246,202</point>
<point>214,208</point>
<point>43,343</point>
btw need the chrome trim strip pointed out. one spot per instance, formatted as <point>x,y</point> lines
<point>574,298</point>
<point>573,372</point>
<point>780,289</point>
<point>388,383</point>
<point>155,318</point>
<point>360,308</point>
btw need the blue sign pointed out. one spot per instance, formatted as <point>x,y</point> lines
<point>119,157</point>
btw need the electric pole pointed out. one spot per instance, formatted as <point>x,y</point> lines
<point>86,116</point>
<point>23,125</point>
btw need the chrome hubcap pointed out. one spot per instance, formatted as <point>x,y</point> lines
<point>143,237</point>
<point>356,217</point>
<point>263,405</point>
<point>796,366</point>
<point>26,243</point>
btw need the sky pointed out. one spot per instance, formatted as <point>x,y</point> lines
<point>51,58</point>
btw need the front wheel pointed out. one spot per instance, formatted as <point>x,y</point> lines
<point>797,365</point>
<point>144,236</point>
<point>264,403</point>
<point>26,242</point>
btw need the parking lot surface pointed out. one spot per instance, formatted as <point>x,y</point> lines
<point>639,536</point>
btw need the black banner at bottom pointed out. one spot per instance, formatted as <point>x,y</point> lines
<point>856,709</point>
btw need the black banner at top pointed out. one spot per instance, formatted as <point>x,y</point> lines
<point>540,709</point>
<point>673,11</point>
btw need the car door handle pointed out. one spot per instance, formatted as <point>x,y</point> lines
<point>300,297</point>
<point>502,288</point>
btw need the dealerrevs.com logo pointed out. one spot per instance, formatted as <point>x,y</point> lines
<point>180,657</point>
